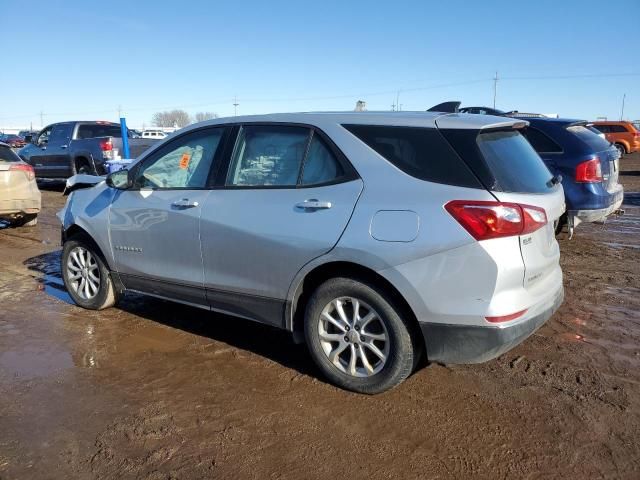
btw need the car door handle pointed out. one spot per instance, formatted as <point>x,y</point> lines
<point>43,148</point>
<point>184,203</point>
<point>63,146</point>
<point>313,204</point>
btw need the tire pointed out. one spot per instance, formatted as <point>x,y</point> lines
<point>85,274</point>
<point>334,344</point>
<point>30,220</point>
<point>82,167</point>
<point>620,149</point>
<point>562,221</point>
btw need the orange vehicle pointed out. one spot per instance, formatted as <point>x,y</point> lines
<point>624,135</point>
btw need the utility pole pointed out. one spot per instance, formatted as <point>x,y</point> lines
<point>495,89</point>
<point>41,119</point>
<point>397,104</point>
<point>622,111</point>
<point>119,111</point>
<point>235,105</point>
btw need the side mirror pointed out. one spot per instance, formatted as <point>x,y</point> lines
<point>119,180</point>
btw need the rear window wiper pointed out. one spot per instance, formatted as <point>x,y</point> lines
<point>556,179</point>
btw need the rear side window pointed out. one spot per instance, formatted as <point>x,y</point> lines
<point>420,152</point>
<point>268,156</point>
<point>513,161</point>
<point>619,129</point>
<point>602,128</point>
<point>97,130</point>
<point>320,165</point>
<point>540,142</point>
<point>7,155</point>
<point>593,140</point>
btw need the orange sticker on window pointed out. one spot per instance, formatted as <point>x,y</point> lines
<point>184,161</point>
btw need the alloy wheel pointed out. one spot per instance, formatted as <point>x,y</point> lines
<point>83,273</point>
<point>353,337</point>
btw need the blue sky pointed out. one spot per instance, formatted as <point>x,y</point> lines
<point>82,60</point>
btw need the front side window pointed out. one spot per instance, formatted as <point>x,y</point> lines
<point>43,138</point>
<point>268,156</point>
<point>183,163</point>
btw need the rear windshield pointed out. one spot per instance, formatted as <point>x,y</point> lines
<point>7,155</point>
<point>513,162</point>
<point>420,152</point>
<point>98,130</point>
<point>593,140</point>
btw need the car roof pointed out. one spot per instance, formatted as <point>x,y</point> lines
<point>611,122</point>
<point>404,119</point>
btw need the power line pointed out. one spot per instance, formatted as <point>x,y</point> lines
<point>332,97</point>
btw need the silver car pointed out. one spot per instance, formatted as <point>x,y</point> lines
<point>376,238</point>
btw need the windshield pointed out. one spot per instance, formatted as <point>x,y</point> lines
<point>593,140</point>
<point>514,163</point>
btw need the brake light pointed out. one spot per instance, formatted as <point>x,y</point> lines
<point>106,146</point>
<point>23,167</point>
<point>506,318</point>
<point>485,219</point>
<point>589,171</point>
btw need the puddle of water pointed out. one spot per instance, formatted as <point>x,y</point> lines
<point>31,363</point>
<point>619,245</point>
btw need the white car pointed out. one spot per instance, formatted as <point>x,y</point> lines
<point>154,134</point>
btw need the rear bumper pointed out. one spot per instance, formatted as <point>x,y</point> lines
<point>19,207</point>
<point>597,214</point>
<point>475,344</point>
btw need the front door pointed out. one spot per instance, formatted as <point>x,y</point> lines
<point>154,225</point>
<point>286,200</point>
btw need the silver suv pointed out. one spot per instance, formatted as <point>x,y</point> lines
<point>378,238</point>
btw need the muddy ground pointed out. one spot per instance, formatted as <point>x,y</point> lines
<point>157,390</point>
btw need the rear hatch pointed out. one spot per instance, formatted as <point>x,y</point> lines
<point>15,176</point>
<point>513,172</point>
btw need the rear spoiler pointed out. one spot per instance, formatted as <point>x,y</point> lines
<point>446,107</point>
<point>81,181</point>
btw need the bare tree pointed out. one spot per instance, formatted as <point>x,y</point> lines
<point>202,116</point>
<point>172,118</point>
<point>361,106</point>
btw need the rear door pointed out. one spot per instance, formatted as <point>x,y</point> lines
<point>284,200</point>
<point>522,177</point>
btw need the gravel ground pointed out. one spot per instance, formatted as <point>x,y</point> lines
<point>157,390</point>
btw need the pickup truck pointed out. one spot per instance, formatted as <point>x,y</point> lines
<point>67,148</point>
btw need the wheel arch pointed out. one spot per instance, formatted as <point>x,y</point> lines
<point>295,309</point>
<point>75,230</point>
<point>623,144</point>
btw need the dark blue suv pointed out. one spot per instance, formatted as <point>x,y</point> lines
<point>587,163</point>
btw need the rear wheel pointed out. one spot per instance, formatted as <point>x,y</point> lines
<point>620,149</point>
<point>86,275</point>
<point>82,167</point>
<point>357,337</point>
<point>30,220</point>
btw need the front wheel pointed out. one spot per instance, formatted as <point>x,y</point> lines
<point>357,337</point>
<point>86,275</point>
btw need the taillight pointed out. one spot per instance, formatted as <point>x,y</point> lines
<point>485,220</point>
<point>23,167</point>
<point>107,149</point>
<point>589,171</point>
<point>106,146</point>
